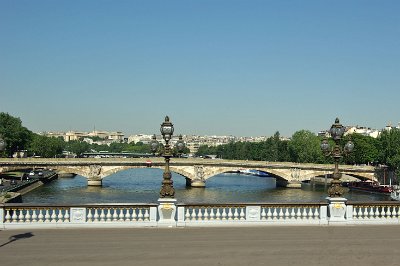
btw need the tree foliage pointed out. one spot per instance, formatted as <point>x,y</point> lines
<point>16,136</point>
<point>47,146</point>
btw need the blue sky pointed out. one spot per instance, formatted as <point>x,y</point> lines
<point>241,68</point>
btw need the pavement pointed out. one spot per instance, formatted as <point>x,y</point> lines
<point>269,245</point>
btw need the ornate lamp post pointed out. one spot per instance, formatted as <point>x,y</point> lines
<point>167,130</point>
<point>336,131</point>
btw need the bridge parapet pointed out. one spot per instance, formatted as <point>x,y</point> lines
<point>196,171</point>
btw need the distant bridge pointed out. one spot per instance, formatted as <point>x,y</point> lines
<point>196,171</point>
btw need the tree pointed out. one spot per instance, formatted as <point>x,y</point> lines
<point>47,146</point>
<point>305,147</point>
<point>16,136</point>
<point>365,149</point>
<point>77,147</point>
<point>389,149</point>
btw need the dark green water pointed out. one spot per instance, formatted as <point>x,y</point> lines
<point>143,185</point>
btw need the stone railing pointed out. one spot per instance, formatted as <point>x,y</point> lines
<point>14,216</point>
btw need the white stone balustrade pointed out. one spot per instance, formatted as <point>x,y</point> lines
<point>14,216</point>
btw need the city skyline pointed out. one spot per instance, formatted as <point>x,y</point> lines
<point>241,68</point>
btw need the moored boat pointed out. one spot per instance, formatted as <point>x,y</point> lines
<point>370,186</point>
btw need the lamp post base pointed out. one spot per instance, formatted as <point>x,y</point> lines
<point>167,212</point>
<point>337,209</point>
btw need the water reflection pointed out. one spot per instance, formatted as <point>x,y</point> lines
<point>143,185</point>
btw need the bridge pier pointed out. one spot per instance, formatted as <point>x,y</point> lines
<point>195,183</point>
<point>95,182</point>
<point>287,184</point>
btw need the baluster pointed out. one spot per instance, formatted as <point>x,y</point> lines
<point>298,213</point>
<point>34,216</point>
<point>269,213</point>
<point>193,215</point>
<point>293,213</point>
<point>115,215</point>
<point>102,215</point>
<point>316,213</point>
<point>242,215</point>
<point>66,216</point>
<point>41,216</point>
<point>389,212</point>
<point>140,217</point>
<point>201,216</point>
<point>47,216</point>
<point>8,216</point>
<point>146,215</point>
<point>274,213</point>
<point>218,214</point>
<point>28,216</point>
<point>206,214</point>
<point>383,212</point>
<point>395,211</point>
<point>96,215</point>
<point>14,217</point>
<point>187,214</point>
<point>371,212</point>
<point>212,214</point>
<point>60,216</point>
<point>53,217</point>
<point>108,215</point>
<point>223,214</point>
<point>263,214</point>
<point>365,212</point>
<point>236,214</point>
<point>89,215</point>
<point>121,216</point>
<point>355,212</point>
<point>21,218</point>
<point>286,215</point>
<point>134,215</point>
<point>304,214</point>
<point>230,215</point>
<point>377,212</point>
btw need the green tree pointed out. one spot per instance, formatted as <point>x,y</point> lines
<point>389,149</point>
<point>77,147</point>
<point>365,149</point>
<point>47,146</point>
<point>304,147</point>
<point>16,136</point>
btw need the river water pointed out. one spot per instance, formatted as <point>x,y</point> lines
<point>143,186</point>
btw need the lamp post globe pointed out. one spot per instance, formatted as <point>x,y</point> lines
<point>180,145</point>
<point>167,129</point>
<point>154,144</point>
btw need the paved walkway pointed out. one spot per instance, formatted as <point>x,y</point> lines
<point>291,245</point>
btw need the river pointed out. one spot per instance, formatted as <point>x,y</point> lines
<point>143,185</point>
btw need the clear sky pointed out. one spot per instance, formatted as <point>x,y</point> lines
<point>216,67</point>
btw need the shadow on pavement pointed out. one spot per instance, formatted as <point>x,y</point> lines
<point>17,237</point>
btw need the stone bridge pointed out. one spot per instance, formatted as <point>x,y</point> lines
<point>196,171</point>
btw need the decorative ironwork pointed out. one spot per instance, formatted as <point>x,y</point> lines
<point>167,130</point>
<point>336,131</point>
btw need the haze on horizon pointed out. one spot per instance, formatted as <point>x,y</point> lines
<point>242,68</point>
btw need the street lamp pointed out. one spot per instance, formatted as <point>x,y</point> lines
<point>167,130</point>
<point>336,131</point>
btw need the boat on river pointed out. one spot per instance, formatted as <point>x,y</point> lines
<point>370,186</point>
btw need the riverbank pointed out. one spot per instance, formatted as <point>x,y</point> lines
<point>13,189</point>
